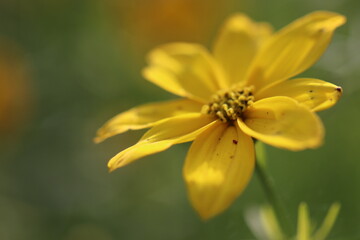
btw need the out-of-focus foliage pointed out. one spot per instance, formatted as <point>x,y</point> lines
<point>264,224</point>
<point>84,60</point>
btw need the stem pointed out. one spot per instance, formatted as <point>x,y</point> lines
<point>273,198</point>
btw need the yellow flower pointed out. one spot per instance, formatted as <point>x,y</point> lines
<point>238,92</point>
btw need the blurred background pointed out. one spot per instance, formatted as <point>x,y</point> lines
<point>67,66</point>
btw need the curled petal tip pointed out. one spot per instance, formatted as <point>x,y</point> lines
<point>97,139</point>
<point>111,168</point>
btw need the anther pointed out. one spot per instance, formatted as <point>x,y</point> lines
<point>229,106</point>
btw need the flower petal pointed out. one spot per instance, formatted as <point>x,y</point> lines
<point>284,123</point>
<point>294,48</point>
<point>237,44</point>
<point>316,94</point>
<point>218,167</point>
<point>145,116</point>
<point>162,135</point>
<point>185,69</point>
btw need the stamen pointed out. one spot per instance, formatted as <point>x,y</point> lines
<point>229,106</point>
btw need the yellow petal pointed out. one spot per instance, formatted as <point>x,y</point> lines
<point>316,94</point>
<point>284,123</point>
<point>304,223</point>
<point>185,69</point>
<point>237,44</point>
<point>145,116</point>
<point>162,135</point>
<point>294,48</point>
<point>218,167</point>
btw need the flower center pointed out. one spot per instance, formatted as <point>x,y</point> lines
<point>229,106</point>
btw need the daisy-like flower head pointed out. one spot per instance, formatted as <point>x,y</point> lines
<point>237,92</point>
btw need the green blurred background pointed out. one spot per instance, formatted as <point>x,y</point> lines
<point>72,64</point>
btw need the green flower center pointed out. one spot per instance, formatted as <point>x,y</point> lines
<point>229,106</point>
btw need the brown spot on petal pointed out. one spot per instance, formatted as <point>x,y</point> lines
<point>235,141</point>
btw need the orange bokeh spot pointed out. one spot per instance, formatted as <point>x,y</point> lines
<point>14,89</point>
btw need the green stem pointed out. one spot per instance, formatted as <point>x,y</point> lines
<point>273,198</point>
